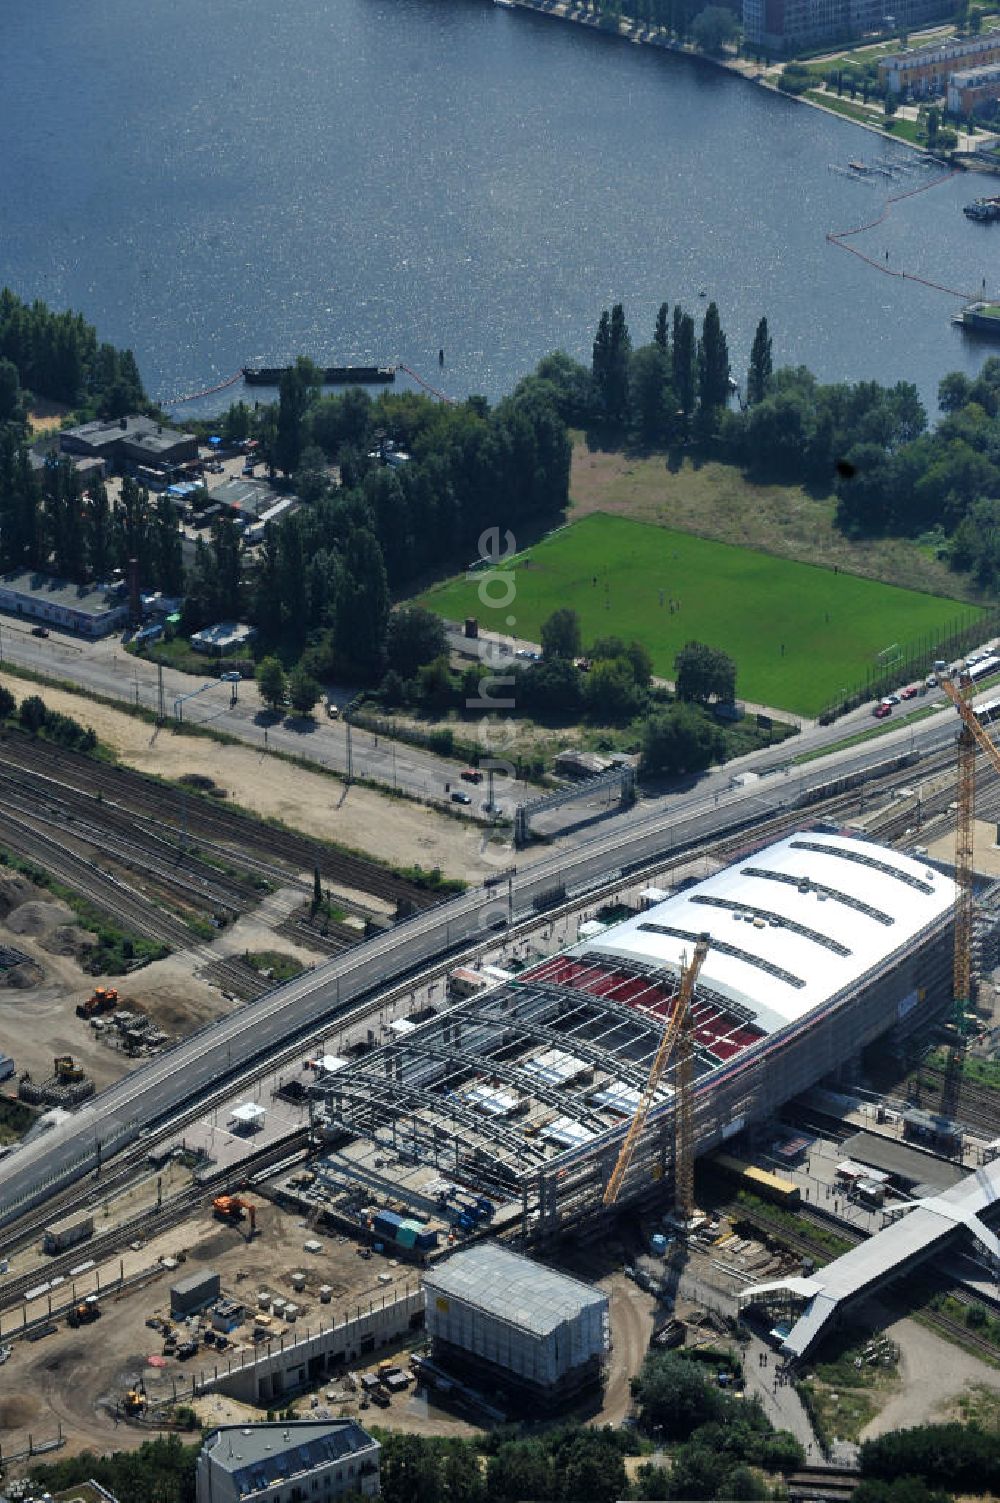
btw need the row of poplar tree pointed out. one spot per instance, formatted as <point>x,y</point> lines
<point>659,391</point>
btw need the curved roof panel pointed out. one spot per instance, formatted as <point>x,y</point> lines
<point>792,925</point>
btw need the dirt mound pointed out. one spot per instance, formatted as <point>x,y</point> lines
<point>65,940</point>
<point>23,977</point>
<point>37,917</point>
<point>15,890</point>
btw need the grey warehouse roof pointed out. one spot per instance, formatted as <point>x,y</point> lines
<point>260,1455</point>
<point>512,1288</point>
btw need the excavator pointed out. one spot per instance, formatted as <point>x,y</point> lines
<point>230,1208</point>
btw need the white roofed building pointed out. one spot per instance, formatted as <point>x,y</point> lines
<point>818,945</point>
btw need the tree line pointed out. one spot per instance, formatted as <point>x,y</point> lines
<point>868,444</point>
<point>58,356</point>
<point>655,395</point>
<point>323,579</point>
<point>49,523</point>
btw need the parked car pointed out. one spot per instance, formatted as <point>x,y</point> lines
<point>39,631</point>
<point>472,775</point>
<point>881,711</point>
<point>458,797</point>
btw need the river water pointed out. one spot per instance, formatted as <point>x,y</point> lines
<point>216,182</point>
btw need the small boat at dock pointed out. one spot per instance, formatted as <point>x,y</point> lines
<point>980,318</point>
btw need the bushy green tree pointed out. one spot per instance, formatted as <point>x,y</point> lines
<point>560,634</point>
<point>413,637</point>
<point>713,29</point>
<point>271,682</point>
<point>680,739</point>
<point>674,1397</point>
<point>304,693</point>
<point>704,673</point>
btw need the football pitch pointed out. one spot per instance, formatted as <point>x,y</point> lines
<point>799,635</point>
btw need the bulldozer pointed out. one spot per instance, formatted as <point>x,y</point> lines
<point>230,1208</point>
<point>84,1313</point>
<point>67,1068</point>
<point>102,999</point>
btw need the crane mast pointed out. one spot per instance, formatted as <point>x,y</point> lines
<point>679,1032</point>
<point>972,737</point>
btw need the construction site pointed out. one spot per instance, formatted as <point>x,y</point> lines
<point>700,1096</point>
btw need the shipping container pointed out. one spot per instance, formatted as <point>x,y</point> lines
<point>68,1232</point>
<point>6,1067</point>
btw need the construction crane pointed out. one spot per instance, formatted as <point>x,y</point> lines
<point>679,1031</point>
<point>971,738</point>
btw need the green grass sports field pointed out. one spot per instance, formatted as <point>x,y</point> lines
<point>799,635</point>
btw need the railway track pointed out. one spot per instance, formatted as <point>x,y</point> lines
<point>230,828</point>
<point>978,1105</point>
<point>153,1220</point>
<point>125,905</point>
<point>781,1232</point>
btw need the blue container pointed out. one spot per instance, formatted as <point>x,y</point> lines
<point>387,1224</point>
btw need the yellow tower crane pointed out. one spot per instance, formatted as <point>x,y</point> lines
<point>972,737</point>
<point>678,1033</point>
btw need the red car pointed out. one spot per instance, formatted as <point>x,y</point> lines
<point>910,692</point>
<point>881,711</point>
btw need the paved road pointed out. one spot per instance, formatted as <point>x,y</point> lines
<point>104,668</point>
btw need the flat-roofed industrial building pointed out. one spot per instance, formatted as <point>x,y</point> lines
<point>505,1320</point>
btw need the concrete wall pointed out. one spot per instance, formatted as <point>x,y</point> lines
<point>283,1367</point>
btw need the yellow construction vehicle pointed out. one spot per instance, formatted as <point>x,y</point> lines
<point>678,1033</point>
<point>135,1401</point>
<point>66,1067</point>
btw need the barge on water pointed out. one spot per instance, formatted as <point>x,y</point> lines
<point>333,375</point>
<point>983,210</point>
<point>980,318</point>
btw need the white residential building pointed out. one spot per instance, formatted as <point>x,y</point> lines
<point>299,1462</point>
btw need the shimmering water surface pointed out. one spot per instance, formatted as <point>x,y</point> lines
<point>221,181</point>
